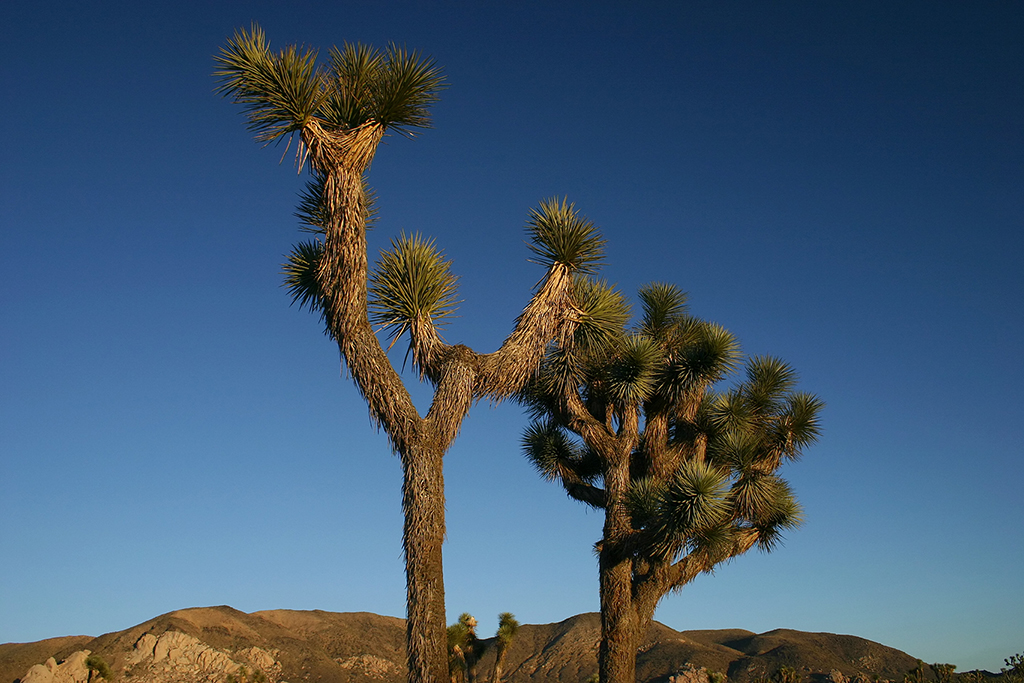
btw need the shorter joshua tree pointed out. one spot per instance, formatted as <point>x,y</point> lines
<point>508,627</point>
<point>627,421</point>
<point>464,649</point>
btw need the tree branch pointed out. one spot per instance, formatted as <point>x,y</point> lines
<point>592,495</point>
<point>453,395</point>
<point>547,318</point>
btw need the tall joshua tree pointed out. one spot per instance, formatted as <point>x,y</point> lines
<point>628,422</point>
<point>338,113</point>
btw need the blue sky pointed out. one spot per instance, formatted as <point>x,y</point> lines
<point>839,184</point>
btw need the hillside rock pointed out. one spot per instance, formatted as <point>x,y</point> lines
<point>177,657</point>
<point>206,645</point>
<point>72,670</point>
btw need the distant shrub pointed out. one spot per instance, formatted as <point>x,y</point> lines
<point>787,674</point>
<point>244,676</point>
<point>95,664</point>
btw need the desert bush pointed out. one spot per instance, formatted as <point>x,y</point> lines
<point>787,674</point>
<point>244,676</point>
<point>96,664</point>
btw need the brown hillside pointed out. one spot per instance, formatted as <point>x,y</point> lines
<point>299,646</point>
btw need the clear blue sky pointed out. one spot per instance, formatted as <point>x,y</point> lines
<point>840,184</point>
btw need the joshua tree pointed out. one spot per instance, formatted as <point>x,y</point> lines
<point>507,629</point>
<point>915,675</point>
<point>628,422</point>
<point>1014,669</point>
<point>944,672</point>
<point>464,649</point>
<point>338,114</point>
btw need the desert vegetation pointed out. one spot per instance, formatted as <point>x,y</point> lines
<point>687,477</point>
<point>630,417</point>
<point>98,668</point>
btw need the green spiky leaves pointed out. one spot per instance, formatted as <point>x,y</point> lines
<point>691,509</point>
<point>558,458</point>
<point>283,92</point>
<point>558,234</point>
<point>768,381</point>
<point>548,449</point>
<point>280,92</point>
<point>630,376</point>
<point>508,626</point>
<point>699,354</point>
<point>696,499</point>
<point>555,456</point>
<point>412,286</point>
<point>300,275</point>
<point>801,421</point>
<point>645,501</point>
<point>664,307</point>
<point>603,314</point>
<point>392,88</point>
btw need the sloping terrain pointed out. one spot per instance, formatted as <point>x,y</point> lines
<point>209,643</point>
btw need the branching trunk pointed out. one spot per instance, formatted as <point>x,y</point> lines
<point>343,278</point>
<point>617,654</point>
<point>459,375</point>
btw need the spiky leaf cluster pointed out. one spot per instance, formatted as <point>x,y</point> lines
<point>559,234</point>
<point>283,92</point>
<point>557,457</point>
<point>412,285</point>
<point>508,626</point>
<point>300,275</point>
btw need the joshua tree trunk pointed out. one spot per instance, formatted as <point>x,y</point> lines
<point>343,277</point>
<point>423,505</point>
<point>617,656</point>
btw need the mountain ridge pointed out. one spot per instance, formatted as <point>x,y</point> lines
<point>207,644</point>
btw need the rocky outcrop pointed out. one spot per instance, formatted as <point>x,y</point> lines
<point>177,657</point>
<point>71,670</point>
